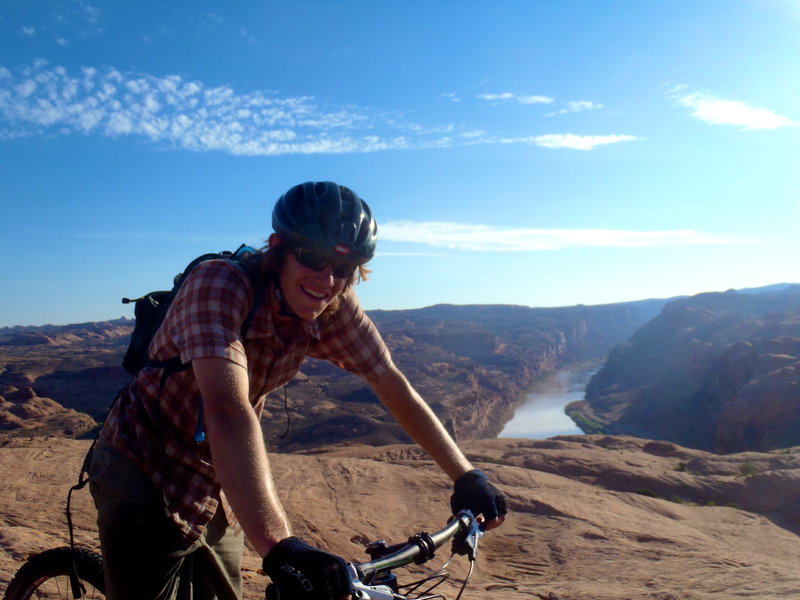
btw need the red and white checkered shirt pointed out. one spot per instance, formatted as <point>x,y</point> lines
<point>156,428</point>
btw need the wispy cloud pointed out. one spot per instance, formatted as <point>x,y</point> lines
<point>515,98</point>
<point>77,12</point>
<point>575,106</point>
<point>174,112</point>
<point>463,236</point>
<point>214,18</point>
<point>28,31</point>
<point>180,113</point>
<point>573,141</point>
<point>719,111</point>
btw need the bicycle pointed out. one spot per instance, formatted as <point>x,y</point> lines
<point>76,573</point>
<point>67,572</point>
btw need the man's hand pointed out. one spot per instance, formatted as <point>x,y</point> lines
<point>302,572</point>
<point>474,492</point>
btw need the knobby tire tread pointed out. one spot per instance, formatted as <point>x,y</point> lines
<point>56,562</point>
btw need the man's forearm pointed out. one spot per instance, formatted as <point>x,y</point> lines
<point>240,459</point>
<point>420,422</point>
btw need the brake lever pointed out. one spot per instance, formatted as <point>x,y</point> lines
<point>474,534</point>
<point>467,542</point>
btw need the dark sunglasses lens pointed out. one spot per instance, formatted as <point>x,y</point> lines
<point>317,262</point>
<point>310,259</point>
<point>343,270</point>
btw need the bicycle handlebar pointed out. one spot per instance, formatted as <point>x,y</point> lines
<point>420,548</point>
<point>464,529</point>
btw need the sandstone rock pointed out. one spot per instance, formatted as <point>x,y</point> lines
<point>570,535</point>
<point>715,371</point>
<point>473,364</point>
<point>764,413</point>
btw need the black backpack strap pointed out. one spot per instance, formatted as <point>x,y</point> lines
<point>83,479</point>
<point>171,365</point>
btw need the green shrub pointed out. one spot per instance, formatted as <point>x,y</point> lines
<point>748,469</point>
<point>585,423</point>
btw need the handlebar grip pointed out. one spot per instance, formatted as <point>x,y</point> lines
<point>272,592</point>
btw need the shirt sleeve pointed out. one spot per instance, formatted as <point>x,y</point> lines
<point>205,318</point>
<point>350,340</point>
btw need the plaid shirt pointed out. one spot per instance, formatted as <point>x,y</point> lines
<point>155,425</point>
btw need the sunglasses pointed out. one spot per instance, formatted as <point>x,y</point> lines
<point>317,261</point>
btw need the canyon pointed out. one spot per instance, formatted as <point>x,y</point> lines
<point>717,371</point>
<point>473,364</point>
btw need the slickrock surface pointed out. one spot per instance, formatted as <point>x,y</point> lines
<point>578,528</point>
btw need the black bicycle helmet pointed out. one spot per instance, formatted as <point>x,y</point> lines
<point>327,218</point>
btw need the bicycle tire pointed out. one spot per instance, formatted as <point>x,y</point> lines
<point>47,575</point>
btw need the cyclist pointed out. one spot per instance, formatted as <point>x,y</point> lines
<point>180,472</point>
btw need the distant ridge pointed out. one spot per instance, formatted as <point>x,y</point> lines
<point>85,326</point>
<point>775,287</point>
<point>478,357</point>
<point>128,321</point>
<point>472,363</point>
<point>718,371</point>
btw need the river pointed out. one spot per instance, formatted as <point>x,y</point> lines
<point>542,414</point>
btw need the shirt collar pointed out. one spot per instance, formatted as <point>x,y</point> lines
<point>266,319</point>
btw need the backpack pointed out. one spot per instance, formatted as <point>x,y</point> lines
<point>150,310</point>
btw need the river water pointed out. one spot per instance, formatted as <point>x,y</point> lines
<point>542,414</point>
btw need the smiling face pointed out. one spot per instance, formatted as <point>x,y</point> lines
<point>307,292</point>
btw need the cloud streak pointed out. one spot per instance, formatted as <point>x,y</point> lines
<point>174,112</point>
<point>720,111</point>
<point>572,141</point>
<point>461,236</point>
<point>516,98</point>
<point>576,106</point>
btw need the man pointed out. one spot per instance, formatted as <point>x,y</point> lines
<point>180,468</point>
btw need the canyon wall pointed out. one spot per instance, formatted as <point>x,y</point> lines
<point>716,371</point>
<point>473,364</point>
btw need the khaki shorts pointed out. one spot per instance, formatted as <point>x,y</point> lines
<point>145,555</point>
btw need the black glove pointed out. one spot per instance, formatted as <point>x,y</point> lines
<point>302,572</point>
<point>474,492</point>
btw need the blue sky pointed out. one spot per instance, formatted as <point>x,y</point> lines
<point>543,153</point>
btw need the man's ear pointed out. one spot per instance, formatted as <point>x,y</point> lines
<point>274,240</point>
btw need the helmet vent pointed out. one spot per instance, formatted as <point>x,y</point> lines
<point>323,215</point>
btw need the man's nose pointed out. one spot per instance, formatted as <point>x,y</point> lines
<point>325,275</point>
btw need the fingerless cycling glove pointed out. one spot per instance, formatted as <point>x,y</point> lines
<point>474,492</point>
<point>302,572</point>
